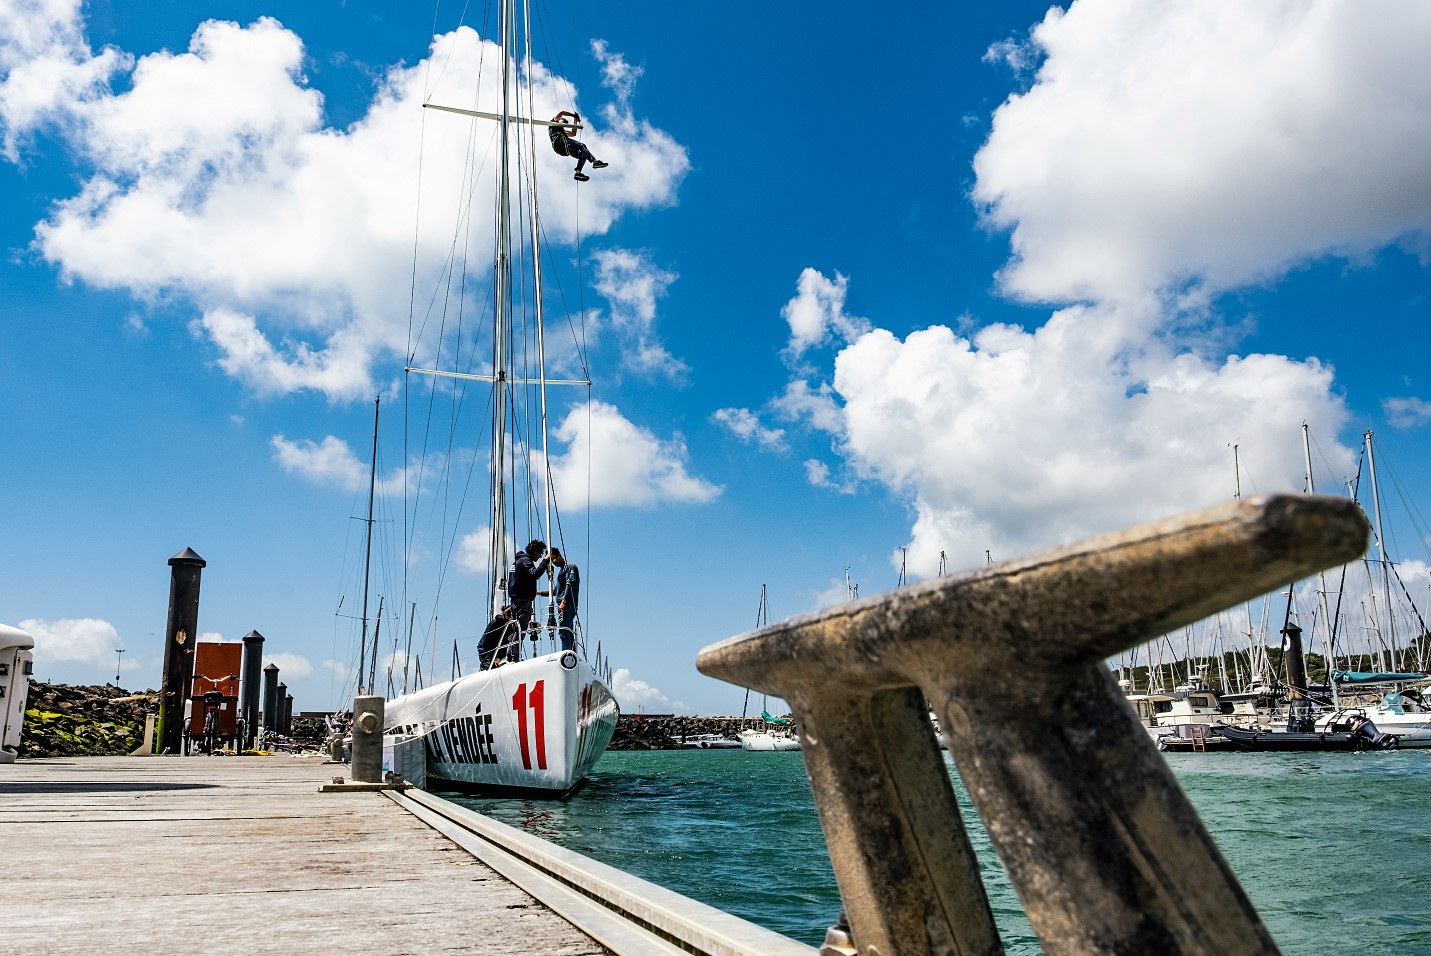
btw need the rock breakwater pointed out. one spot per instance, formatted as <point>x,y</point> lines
<point>94,721</point>
<point>668,732</point>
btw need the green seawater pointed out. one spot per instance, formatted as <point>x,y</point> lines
<point>1334,849</point>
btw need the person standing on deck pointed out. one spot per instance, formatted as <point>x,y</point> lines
<point>522,584</point>
<point>564,145</point>
<point>568,589</point>
<point>498,640</point>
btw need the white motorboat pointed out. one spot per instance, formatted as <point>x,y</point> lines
<point>709,742</point>
<point>1149,707</point>
<point>1402,714</point>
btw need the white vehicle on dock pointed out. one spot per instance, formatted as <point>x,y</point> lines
<point>16,664</point>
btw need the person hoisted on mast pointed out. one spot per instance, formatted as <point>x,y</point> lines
<point>564,145</point>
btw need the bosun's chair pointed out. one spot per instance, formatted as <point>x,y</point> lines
<point>1102,846</point>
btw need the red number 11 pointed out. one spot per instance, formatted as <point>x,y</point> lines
<point>537,699</point>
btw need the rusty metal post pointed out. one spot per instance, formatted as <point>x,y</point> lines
<point>287,713</point>
<point>249,685</point>
<point>1101,844</point>
<point>270,698</point>
<point>181,632</point>
<point>367,758</point>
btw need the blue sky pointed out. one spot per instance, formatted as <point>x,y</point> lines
<point>952,277</point>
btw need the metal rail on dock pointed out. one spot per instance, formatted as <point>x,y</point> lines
<point>626,914</point>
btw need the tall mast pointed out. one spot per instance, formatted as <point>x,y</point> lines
<point>759,623</point>
<point>497,565</point>
<point>1381,550</point>
<point>1255,659</point>
<point>368,561</point>
<point>537,284</point>
<point>1321,575</point>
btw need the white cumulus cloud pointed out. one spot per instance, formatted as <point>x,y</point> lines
<point>1406,412</point>
<point>1161,153</point>
<point>621,463</point>
<point>635,695</point>
<point>746,425</point>
<point>332,462</point>
<point>632,285</point>
<point>1016,440</point>
<point>85,640</point>
<point>46,67</point>
<point>291,667</point>
<point>474,548</point>
<point>817,313</point>
<point>217,183</point>
<point>817,473</point>
<point>328,462</point>
<point>1209,143</point>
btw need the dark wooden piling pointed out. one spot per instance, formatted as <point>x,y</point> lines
<point>181,634</point>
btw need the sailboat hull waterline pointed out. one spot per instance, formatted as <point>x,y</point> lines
<point>531,728</point>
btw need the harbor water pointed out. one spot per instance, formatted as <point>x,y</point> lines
<point>1334,849</point>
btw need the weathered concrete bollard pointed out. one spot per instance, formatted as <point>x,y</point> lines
<point>1100,842</point>
<point>367,759</point>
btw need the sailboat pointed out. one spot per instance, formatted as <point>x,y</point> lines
<point>1403,710</point>
<point>1401,721</point>
<point>532,727</point>
<point>776,733</point>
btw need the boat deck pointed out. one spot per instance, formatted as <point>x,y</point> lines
<point>201,854</point>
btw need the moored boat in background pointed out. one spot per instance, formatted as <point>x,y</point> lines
<point>709,742</point>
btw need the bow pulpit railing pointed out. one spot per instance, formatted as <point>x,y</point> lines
<point>1102,846</point>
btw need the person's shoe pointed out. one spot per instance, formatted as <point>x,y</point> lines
<point>598,164</point>
<point>581,177</point>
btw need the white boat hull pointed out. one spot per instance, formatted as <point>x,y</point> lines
<point>1410,730</point>
<point>535,727</point>
<point>768,742</point>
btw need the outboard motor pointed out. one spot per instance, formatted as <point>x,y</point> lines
<point>1367,737</point>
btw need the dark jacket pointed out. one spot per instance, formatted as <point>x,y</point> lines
<point>568,588</point>
<point>522,579</point>
<point>493,637</point>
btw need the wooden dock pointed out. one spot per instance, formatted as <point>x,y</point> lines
<point>243,855</point>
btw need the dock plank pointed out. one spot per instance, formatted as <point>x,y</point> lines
<point>200,855</point>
